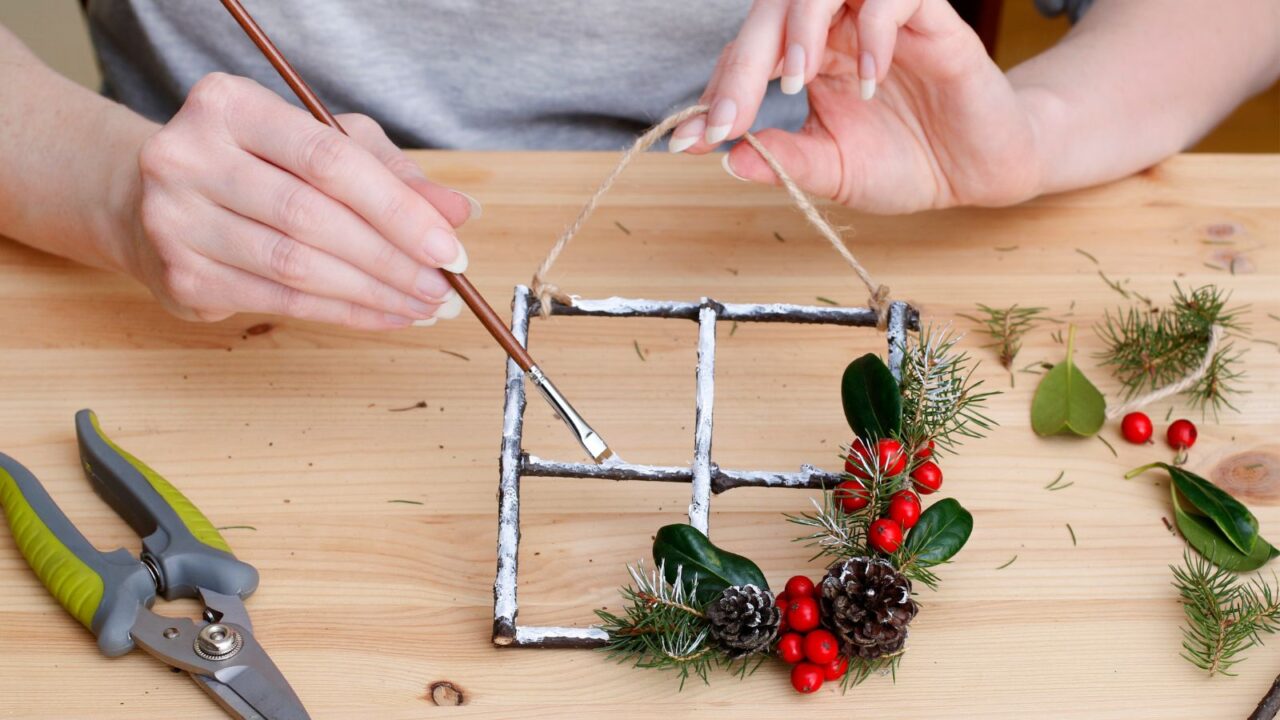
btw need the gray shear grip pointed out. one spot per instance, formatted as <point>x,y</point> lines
<point>184,564</point>
<point>126,584</point>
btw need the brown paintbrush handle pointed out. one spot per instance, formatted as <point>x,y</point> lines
<point>472,297</point>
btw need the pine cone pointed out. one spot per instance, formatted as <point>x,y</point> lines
<point>744,620</point>
<point>867,604</point>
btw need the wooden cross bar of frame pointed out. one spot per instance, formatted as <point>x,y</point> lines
<point>706,477</point>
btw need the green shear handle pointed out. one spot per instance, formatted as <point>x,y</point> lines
<point>104,591</point>
<point>185,549</point>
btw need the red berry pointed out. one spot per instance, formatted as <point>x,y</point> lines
<point>1182,434</point>
<point>852,495</point>
<point>927,477</point>
<point>904,508</point>
<point>1136,428</point>
<point>836,669</point>
<point>799,586</point>
<point>884,535</point>
<point>858,459</point>
<point>791,648</point>
<point>802,614</point>
<point>925,451</point>
<point>806,678</point>
<point>890,459</point>
<point>820,647</point>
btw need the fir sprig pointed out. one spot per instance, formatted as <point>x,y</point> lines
<point>1007,327</point>
<point>941,400</point>
<point>662,627</point>
<point>1225,616</point>
<point>1148,348</point>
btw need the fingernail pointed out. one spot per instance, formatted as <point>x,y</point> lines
<point>724,162</point>
<point>459,264</point>
<point>451,308</point>
<point>420,307</point>
<point>793,70</point>
<point>425,322</point>
<point>432,285</point>
<point>687,135</point>
<point>476,209</point>
<point>442,247</point>
<point>720,120</point>
<point>867,71</point>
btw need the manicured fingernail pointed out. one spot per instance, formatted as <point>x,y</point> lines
<point>420,307</point>
<point>451,308</point>
<point>724,162</point>
<point>687,135</point>
<point>442,247</point>
<point>425,322</point>
<point>459,264</point>
<point>476,209</point>
<point>867,71</point>
<point>397,320</point>
<point>431,284</point>
<point>793,70</point>
<point>720,120</point>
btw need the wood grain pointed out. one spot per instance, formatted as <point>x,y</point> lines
<point>366,602</point>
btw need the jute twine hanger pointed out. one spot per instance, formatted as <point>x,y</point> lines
<point>546,292</point>
<point>1215,336</point>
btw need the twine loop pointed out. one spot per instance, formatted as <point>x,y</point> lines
<point>546,292</point>
<point>1216,334</point>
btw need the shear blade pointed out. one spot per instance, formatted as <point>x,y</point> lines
<point>248,695</point>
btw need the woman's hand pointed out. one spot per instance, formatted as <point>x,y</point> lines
<point>246,204</point>
<point>906,110</point>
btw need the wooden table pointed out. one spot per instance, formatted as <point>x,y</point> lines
<point>374,528</point>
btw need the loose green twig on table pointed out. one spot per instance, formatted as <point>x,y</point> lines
<point>1007,327</point>
<point>1150,348</point>
<point>1225,616</point>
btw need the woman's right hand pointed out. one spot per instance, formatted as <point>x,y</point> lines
<point>246,203</point>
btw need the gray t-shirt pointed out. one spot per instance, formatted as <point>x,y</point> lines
<point>466,74</point>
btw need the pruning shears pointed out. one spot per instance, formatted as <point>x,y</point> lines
<point>183,556</point>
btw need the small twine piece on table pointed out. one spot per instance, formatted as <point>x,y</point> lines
<point>1215,337</point>
<point>546,291</point>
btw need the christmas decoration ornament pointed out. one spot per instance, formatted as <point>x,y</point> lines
<point>1136,428</point>
<point>867,604</point>
<point>744,620</point>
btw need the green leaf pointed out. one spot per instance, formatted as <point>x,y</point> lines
<point>684,548</point>
<point>943,529</point>
<point>1206,538</point>
<point>871,398</point>
<point>1233,519</point>
<point>1066,400</point>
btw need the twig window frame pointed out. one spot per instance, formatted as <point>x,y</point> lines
<point>706,477</point>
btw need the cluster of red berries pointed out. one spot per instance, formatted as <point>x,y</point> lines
<point>813,651</point>
<point>1137,429</point>
<point>903,511</point>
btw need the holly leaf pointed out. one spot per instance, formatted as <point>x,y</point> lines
<point>1203,535</point>
<point>1233,520</point>
<point>684,549</point>
<point>1065,400</point>
<point>943,529</point>
<point>871,398</point>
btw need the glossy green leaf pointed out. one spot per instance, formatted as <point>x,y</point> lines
<point>1208,540</point>
<point>1231,517</point>
<point>684,548</point>
<point>943,529</point>
<point>872,399</point>
<point>1065,400</point>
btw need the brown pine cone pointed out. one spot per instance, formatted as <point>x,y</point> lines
<point>867,604</point>
<point>744,620</point>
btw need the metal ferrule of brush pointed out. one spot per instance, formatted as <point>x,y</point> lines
<point>591,442</point>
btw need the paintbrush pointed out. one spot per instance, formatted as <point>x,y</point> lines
<point>588,438</point>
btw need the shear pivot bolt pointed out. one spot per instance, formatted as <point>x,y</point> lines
<point>170,633</point>
<point>218,642</point>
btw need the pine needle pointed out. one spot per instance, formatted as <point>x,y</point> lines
<point>1015,557</point>
<point>1225,616</point>
<point>1007,328</point>
<point>941,400</point>
<point>1073,535</point>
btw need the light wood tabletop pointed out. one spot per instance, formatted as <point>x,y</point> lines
<point>373,522</point>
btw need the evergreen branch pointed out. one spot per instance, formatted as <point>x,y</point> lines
<point>941,400</point>
<point>860,670</point>
<point>1225,616</point>
<point>1148,348</point>
<point>1007,327</point>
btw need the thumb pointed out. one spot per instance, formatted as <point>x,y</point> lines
<point>811,161</point>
